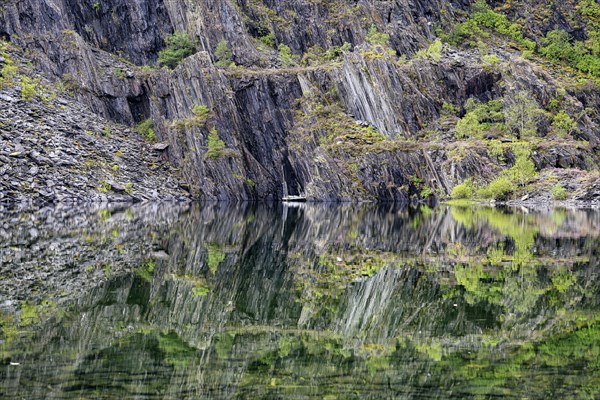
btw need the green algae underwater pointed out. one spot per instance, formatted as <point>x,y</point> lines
<point>313,301</point>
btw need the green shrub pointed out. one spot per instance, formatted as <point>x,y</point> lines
<point>375,37</point>
<point>146,129</point>
<point>335,52</point>
<point>434,51</point>
<point>426,192</point>
<point>449,109</point>
<point>201,112</point>
<point>559,192</point>
<point>463,190</point>
<point>200,117</point>
<point>563,124</point>
<point>119,73</point>
<point>553,105</point>
<point>495,149</point>
<point>268,39</point>
<point>129,188</point>
<point>215,144</point>
<point>490,112</point>
<point>28,88</point>
<point>464,32</point>
<point>9,70</point>
<point>285,55</point>
<point>484,16</point>
<point>490,62</point>
<point>104,187</point>
<point>223,55</point>
<point>179,46</point>
<point>469,127</point>
<point>557,46</point>
<point>500,189</point>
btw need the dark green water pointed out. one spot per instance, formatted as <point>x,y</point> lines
<point>323,302</point>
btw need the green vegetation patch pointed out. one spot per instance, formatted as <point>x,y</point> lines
<point>179,46</point>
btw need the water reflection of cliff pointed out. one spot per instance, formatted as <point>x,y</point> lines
<point>251,301</point>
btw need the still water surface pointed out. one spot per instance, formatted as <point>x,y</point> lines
<point>317,301</point>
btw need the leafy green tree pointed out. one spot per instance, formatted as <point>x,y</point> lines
<point>521,114</point>
<point>179,46</point>
<point>524,169</point>
<point>223,54</point>
<point>469,126</point>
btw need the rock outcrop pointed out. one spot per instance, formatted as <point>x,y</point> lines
<point>57,151</point>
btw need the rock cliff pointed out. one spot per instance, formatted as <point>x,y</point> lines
<point>335,100</point>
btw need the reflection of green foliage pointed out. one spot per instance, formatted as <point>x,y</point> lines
<point>215,256</point>
<point>426,211</point>
<point>432,348</point>
<point>32,313</point>
<point>521,228</point>
<point>495,254</point>
<point>377,364</point>
<point>563,280</point>
<point>199,285</point>
<point>224,344</point>
<point>177,352</point>
<point>200,291</point>
<point>285,346</point>
<point>477,284</point>
<point>9,329</point>
<point>104,214</point>
<point>581,345</point>
<point>558,216</point>
<point>146,271</point>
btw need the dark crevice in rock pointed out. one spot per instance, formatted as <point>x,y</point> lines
<point>140,107</point>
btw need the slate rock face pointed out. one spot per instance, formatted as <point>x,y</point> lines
<point>270,116</point>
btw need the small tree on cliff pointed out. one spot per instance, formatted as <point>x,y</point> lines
<point>223,55</point>
<point>179,46</point>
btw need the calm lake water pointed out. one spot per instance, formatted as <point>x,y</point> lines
<point>316,301</point>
